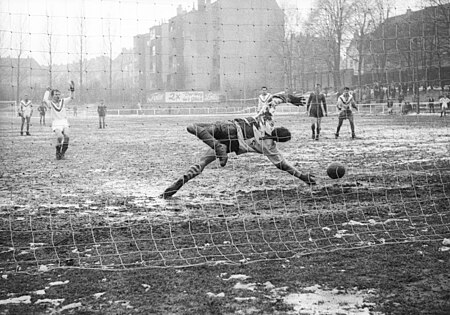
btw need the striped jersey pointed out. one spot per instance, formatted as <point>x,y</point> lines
<point>58,110</point>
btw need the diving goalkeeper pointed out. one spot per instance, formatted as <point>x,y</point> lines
<point>248,135</point>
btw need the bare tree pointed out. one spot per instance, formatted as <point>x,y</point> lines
<point>108,43</point>
<point>439,49</point>
<point>81,51</point>
<point>361,26</point>
<point>378,51</point>
<point>20,50</point>
<point>49,49</point>
<point>329,20</point>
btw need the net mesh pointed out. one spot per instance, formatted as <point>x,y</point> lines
<point>100,208</point>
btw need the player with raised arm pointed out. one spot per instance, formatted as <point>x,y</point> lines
<point>316,108</point>
<point>345,104</point>
<point>25,112</point>
<point>60,124</point>
<point>248,135</point>
<point>268,109</point>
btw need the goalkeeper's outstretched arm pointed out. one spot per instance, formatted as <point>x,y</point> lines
<point>308,178</point>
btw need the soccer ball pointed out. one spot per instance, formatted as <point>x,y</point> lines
<point>336,170</point>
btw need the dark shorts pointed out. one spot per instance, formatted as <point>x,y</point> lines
<point>316,111</point>
<point>226,133</point>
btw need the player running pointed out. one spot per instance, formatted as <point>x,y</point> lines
<point>248,135</point>
<point>345,104</point>
<point>60,124</point>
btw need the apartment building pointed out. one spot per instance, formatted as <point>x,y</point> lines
<point>230,47</point>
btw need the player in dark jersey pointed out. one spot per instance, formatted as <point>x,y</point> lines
<point>316,108</point>
<point>248,135</point>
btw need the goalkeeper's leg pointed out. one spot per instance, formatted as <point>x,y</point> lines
<point>205,132</point>
<point>192,172</point>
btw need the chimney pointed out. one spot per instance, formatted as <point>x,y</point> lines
<point>179,10</point>
<point>201,5</point>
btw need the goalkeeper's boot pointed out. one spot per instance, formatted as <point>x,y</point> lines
<point>172,189</point>
<point>28,133</point>
<point>221,153</point>
<point>21,133</point>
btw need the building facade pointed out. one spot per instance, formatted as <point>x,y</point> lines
<point>227,46</point>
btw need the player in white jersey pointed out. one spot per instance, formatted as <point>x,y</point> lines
<point>60,124</point>
<point>25,111</point>
<point>263,99</point>
<point>241,136</point>
<point>445,101</point>
<point>345,104</point>
<point>268,110</point>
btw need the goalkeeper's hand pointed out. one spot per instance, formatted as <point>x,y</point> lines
<point>72,86</point>
<point>308,178</point>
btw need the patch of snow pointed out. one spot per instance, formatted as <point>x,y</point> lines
<point>54,302</point>
<point>336,301</point>
<point>242,286</point>
<point>58,283</point>
<point>25,299</point>
<point>237,277</point>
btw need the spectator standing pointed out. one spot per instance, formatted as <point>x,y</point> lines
<point>376,92</point>
<point>101,114</point>
<point>431,103</point>
<point>390,106</point>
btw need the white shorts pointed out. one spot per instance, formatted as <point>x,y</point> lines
<point>444,105</point>
<point>60,124</point>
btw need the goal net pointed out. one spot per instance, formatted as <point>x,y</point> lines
<point>161,66</point>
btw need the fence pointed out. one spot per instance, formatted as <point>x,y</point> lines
<point>372,108</point>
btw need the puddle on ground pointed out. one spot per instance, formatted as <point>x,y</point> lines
<point>317,301</point>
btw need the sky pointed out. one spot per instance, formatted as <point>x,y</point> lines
<point>103,21</point>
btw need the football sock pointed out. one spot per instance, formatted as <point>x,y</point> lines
<point>64,147</point>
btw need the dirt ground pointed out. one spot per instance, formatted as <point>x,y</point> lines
<point>89,235</point>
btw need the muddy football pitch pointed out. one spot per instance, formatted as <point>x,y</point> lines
<point>90,235</point>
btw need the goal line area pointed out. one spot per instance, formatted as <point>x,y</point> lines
<point>99,208</point>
